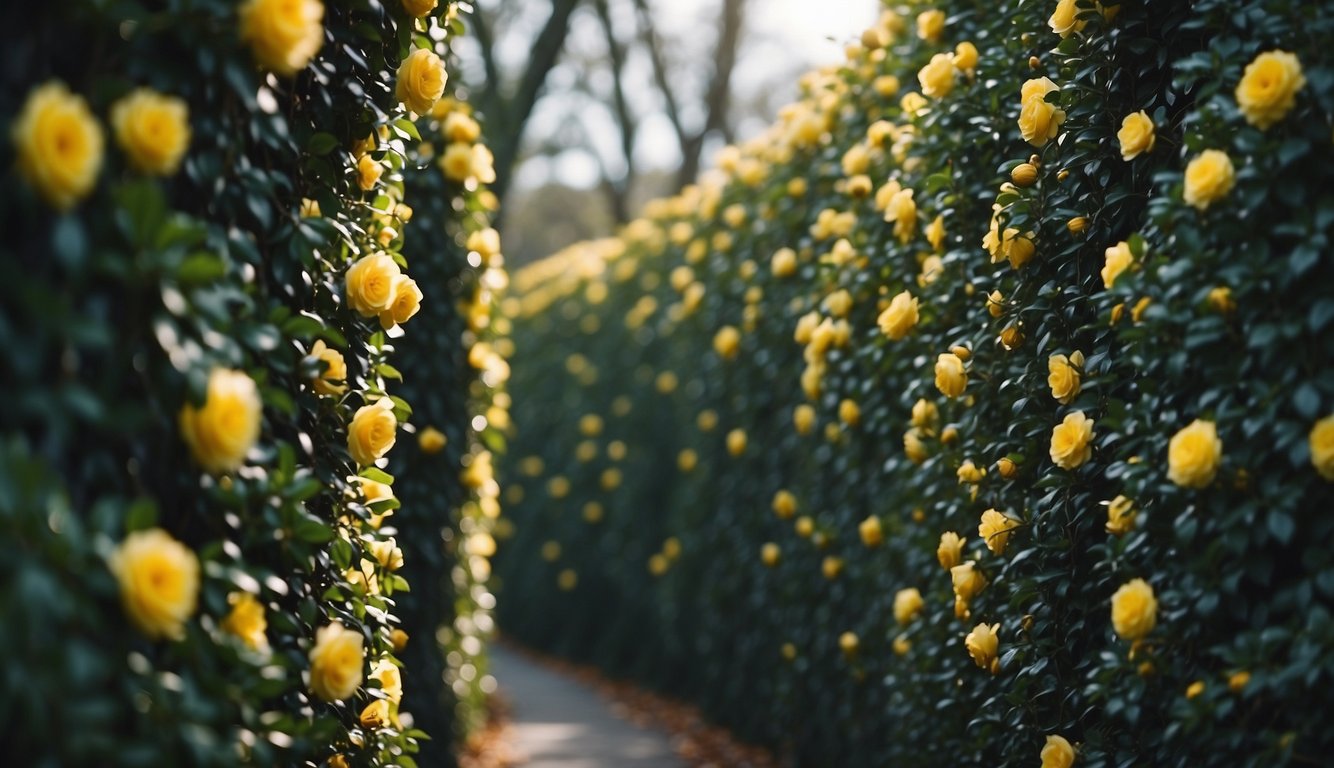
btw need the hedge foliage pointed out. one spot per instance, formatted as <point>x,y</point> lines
<point>211,220</point>
<point>1051,278</point>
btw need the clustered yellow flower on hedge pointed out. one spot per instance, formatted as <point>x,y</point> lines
<point>1136,135</point>
<point>421,81</point>
<point>372,432</point>
<point>907,604</point>
<point>284,34</point>
<point>159,582</point>
<point>1134,610</point>
<point>246,620</point>
<point>1119,258</point>
<point>1071,441</point>
<point>1193,454</point>
<point>1057,753</point>
<point>222,431</point>
<point>983,644</point>
<point>1268,88</point>
<point>59,145</point>
<point>419,8</point>
<point>376,286</point>
<point>1209,177</point>
<point>337,662</point>
<point>1321,443</point>
<point>951,378</point>
<point>995,530</point>
<point>1120,516</point>
<point>1063,376</point>
<point>152,129</point>
<point>1039,121</point>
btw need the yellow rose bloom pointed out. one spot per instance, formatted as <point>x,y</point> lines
<point>407,302</point>
<point>784,505</point>
<point>1057,753</point>
<point>902,210</point>
<point>484,168</point>
<point>1063,376</point>
<point>59,145</point>
<point>372,284</point>
<point>983,644</point>
<point>368,172</point>
<point>912,103</point>
<point>246,620</point>
<point>925,415</point>
<point>284,34</point>
<point>1220,299</point>
<point>1209,177</point>
<point>1322,447</point>
<point>803,419</point>
<point>727,342</point>
<point>336,662</point>
<point>456,162</point>
<point>784,263</point>
<point>152,129</point>
<point>1193,454</point>
<point>375,715</point>
<point>930,25</point>
<point>372,432</point>
<point>1120,516</point>
<point>907,604</point>
<point>387,553</point>
<point>431,440</point>
<point>995,530</point>
<point>937,77</point>
<point>390,678</point>
<point>965,57</point>
<point>951,378</point>
<point>1268,89</point>
<point>847,642</point>
<point>1118,260</point>
<point>913,446</point>
<point>1071,441</point>
<point>223,430</point>
<point>831,567</point>
<point>333,380</point>
<point>1064,19</point>
<point>421,81</point>
<point>968,582</point>
<point>969,472</point>
<point>1134,610</point>
<point>770,554</point>
<point>159,582</point>
<point>950,551</point>
<point>1039,121</point>
<point>995,304</point>
<point>849,412</point>
<point>899,317</point>
<point>419,8</point>
<point>1136,135</point>
<point>872,533</point>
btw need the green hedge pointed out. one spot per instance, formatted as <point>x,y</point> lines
<point>207,564</point>
<point>703,502</point>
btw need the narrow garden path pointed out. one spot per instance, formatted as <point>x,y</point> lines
<point>559,723</point>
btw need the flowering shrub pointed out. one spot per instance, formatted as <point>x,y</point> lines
<point>1044,345</point>
<point>234,262</point>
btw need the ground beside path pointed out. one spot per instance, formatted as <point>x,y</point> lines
<point>556,722</point>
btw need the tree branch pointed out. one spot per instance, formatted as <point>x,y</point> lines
<point>649,35</point>
<point>718,98</point>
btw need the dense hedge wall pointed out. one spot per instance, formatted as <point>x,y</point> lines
<point>213,212</point>
<point>1059,284</point>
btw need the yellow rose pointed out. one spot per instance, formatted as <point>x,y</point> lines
<point>1064,19</point>
<point>1120,516</point>
<point>849,412</point>
<point>1209,177</point>
<point>951,378</point>
<point>375,715</point>
<point>913,446</point>
<point>970,473</point>
<point>950,550</point>
<point>1039,121</point>
<point>456,162</point>
<point>1193,454</point>
<point>899,317</point>
<point>336,662</point>
<point>784,262</point>
<point>372,432</point>
<point>152,129</point>
<point>995,304</point>
<point>1071,441</point>
<point>421,81</point>
<point>784,505</point>
<point>330,382</point>
<point>1057,753</point>
<point>925,415</point>
<point>1136,135</point>
<point>59,145</point>
<point>419,8</point>
<point>872,533</point>
<point>736,442</point>
<point>937,77</point>
<point>770,554</point>
<point>159,582</point>
<point>965,57</point>
<point>912,103</point>
<point>284,34</point>
<point>995,530</point>
<point>246,620</point>
<point>907,604</point>
<point>484,169</point>
<point>1063,376</point>
<point>368,172</point>
<point>803,419</point>
<point>387,553</point>
<point>968,582</point>
<point>1134,610</point>
<point>831,567</point>
<point>1118,260</point>
<point>390,678</point>
<point>847,642</point>
<point>431,440</point>
<point>727,342</point>
<point>1220,299</point>
<point>930,25</point>
<point>224,429</point>
<point>983,644</point>
<point>372,284</point>
<point>902,210</point>
<point>935,232</point>
<point>1268,89</point>
<point>407,302</point>
<point>1322,447</point>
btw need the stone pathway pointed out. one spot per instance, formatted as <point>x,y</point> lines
<point>558,723</point>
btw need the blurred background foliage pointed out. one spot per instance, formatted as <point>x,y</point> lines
<point>697,500</point>
<point>120,305</point>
